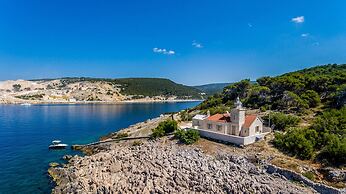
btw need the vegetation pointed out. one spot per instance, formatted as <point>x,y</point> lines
<point>137,143</point>
<point>187,137</point>
<point>16,87</point>
<point>281,121</point>
<point>121,135</point>
<point>325,139</point>
<point>142,86</point>
<point>211,89</point>
<point>185,116</point>
<point>31,97</point>
<point>292,92</point>
<point>309,175</point>
<point>164,128</point>
<point>306,92</point>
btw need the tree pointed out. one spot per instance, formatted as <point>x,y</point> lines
<point>16,87</point>
<point>235,90</point>
<point>282,121</point>
<point>311,97</point>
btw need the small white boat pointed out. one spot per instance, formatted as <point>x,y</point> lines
<point>25,104</point>
<point>56,144</point>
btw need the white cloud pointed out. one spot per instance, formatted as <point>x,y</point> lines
<point>163,51</point>
<point>196,44</point>
<point>249,25</point>
<point>305,35</point>
<point>299,19</point>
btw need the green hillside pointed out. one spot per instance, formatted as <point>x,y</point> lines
<point>143,86</point>
<point>211,89</point>
<point>156,87</point>
<point>316,96</point>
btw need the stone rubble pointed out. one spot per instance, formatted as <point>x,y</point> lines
<point>166,167</point>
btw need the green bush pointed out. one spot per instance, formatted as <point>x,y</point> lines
<point>282,121</point>
<point>121,135</point>
<point>335,151</point>
<point>137,143</point>
<point>309,175</point>
<point>326,138</point>
<point>165,127</point>
<point>187,137</point>
<point>157,133</point>
<point>297,141</point>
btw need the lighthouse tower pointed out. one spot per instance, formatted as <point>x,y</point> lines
<point>238,114</point>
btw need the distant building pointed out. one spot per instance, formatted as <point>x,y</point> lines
<point>72,100</point>
<point>235,127</point>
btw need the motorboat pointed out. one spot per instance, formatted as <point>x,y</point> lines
<point>56,144</point>
<point>25,104</point>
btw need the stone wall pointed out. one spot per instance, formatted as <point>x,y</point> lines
<point>291,175</point>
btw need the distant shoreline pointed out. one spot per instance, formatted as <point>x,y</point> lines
<point>101,102</point>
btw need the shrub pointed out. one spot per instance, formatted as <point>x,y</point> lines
<point>309,175</point>
<point>281,121</point>
<point>121,135</point>
<point>137,143</point>
<point>187,137</point>
<point>335,151</point>
<point>157,133</point>
<point>164,128</point>
<point>297,141</point>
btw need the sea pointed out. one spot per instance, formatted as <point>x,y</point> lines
<point>27,131</point>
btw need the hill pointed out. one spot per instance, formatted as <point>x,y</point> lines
<point>308,107</point>
<point>95,89</point>
<point>211,89</point>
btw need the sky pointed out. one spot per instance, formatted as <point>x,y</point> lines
<point>190,42</point>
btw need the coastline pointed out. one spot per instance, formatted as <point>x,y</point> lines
<point>164,166</point>
<point>99,155</point>
<point>101,102</point>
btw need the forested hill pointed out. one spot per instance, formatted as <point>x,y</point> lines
<point>157,87</point>
<point>308,110</point>
<point>139,87</point>
<point>211,89</point>
<point>291,92</point>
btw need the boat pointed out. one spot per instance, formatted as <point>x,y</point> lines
<point>56,144</point>
<point>25,104</point>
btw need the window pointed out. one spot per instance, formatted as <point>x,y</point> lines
<point>210,126</point>
<point>257,129</point>
<point>219,127</point>
<point>233,130</point>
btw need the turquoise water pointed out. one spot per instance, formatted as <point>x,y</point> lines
<point>26,132</point>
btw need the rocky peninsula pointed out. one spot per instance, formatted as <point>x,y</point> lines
<point>166,166</point>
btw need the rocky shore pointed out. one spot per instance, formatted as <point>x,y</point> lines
<point>164,166</point>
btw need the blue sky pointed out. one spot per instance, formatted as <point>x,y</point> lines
<point>191,42</point>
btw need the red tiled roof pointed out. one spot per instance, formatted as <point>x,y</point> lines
<point>220,118</point>
<point>249,119</point>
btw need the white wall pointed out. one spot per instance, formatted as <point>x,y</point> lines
<point>231,138</point>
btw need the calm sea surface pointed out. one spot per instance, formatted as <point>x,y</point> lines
<point>26,132</point>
